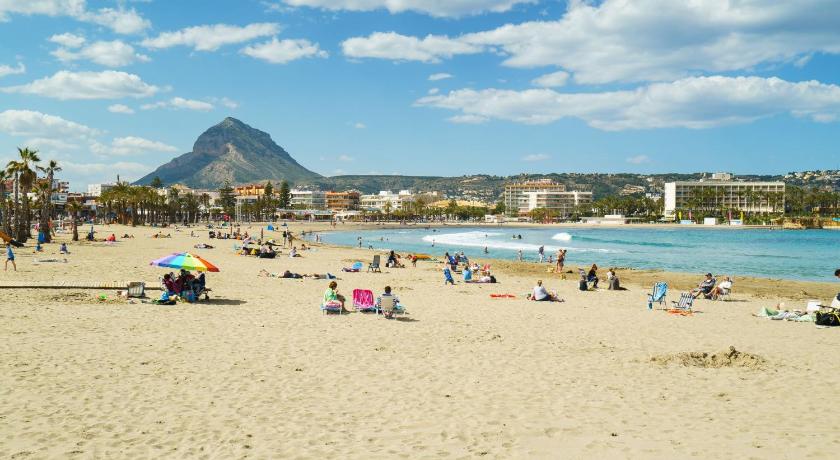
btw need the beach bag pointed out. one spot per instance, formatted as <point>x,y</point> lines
<point>583,286</point>
<point>827,318</point>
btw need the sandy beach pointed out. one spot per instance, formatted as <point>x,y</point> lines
<point>260,372</point>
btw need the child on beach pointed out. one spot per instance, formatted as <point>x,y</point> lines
<point>447,276</point>
<point>63,249</point>
<point>10,257</point>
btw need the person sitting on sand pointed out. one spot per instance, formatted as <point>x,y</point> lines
<point>722,288</point>
<point>705,287</point>
<point>111,239</point>
<point>541,294</point>
<point>63,249</point>
<point>332,295</point>
<point>392,259</point>
<point>386,294</point>
<point>467,274</point>
<point>171,285</point>
<point>293,252</point>
<point>612,279</point>
<point>447,276</point>
<point>592,276</point>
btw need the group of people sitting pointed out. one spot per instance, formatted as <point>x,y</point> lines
<point>474,274</point>
<point>332,299</point>
<point>185,285</point>
<point>709,288</point>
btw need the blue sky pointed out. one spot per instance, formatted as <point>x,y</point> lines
<point>427,87</point>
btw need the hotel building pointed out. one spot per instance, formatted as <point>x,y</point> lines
<point>378,202</point>
<point>722,191</point>
<point>520,198</point>
<point>342,201</point>
<point>308,199</point>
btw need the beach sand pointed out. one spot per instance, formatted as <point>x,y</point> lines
<point>259,371</point>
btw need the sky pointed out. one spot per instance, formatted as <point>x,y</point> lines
<point>427,87</point>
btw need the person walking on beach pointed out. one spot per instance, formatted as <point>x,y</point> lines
<point>542,254</point>
<point>10,257</point>
<point>561,260</point>
<point>519,255</point>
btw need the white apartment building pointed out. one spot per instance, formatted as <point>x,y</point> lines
<point>520,198</point>
<point>722,191</point>
<point>95,190</point>
<point>308,199</point>
<point>378,202</point>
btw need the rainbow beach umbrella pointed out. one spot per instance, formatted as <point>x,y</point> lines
<point>186,261</point>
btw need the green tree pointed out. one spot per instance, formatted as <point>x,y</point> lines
<point>500,208</point>
<point>156,183</point>
<point>226,198</point>
<point>285,195</point>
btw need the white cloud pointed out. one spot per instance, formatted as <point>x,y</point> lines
<point>110,54</point>
<point>638,159</point>
<point>391,45</point>
<point>641,40</point>
<point>229,103</point>
<point>283,51</point>
<point>68,40</point>
<point>536,157</point>
<point>345,158</point>
<point>697,102</point>
<point>434,90</point>
<point>179,103</point>
<point>30,123</point>
<point>9,70</point>
<point>359,125</point>
<point>67,85</point>
<point>122,21</point>
<point>47,145</point>
<point>120,108</point>
<point>439,76</point>
<point>438,8</point>
<point>468,119</point>
<point>619,40</point>
<point>211,37</point>
<point>130,145</point>
<point>552,80</point>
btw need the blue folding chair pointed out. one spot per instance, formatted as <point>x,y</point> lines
<point>660,290</point>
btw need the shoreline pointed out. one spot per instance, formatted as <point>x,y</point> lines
<point>759,287</point>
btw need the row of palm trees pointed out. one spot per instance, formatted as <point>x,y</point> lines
<point>134,204</point>
<point>16,211</point>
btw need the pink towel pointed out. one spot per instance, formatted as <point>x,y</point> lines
<point>363,299</point>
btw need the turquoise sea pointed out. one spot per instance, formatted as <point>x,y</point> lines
<point>790,254</point>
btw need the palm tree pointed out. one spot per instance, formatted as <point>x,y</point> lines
<point>25,176</point>
<point>46,210</point>
<point>5,212</point>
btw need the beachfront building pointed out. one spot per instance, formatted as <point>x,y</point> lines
<point>386,200</point>
<point>521,198</point>
<point>342,201</point>
<point>96,190</point>
<point>724,192</point>
<point>250,190</point>
<point>307,199</point>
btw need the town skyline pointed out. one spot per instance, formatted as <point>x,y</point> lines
<point>427,88</point>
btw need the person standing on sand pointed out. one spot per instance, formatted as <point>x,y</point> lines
<point>519,255</point>
<point>10,257</point>
<point>835,303</point>
<point>561,260</point>
<point>542,254</point>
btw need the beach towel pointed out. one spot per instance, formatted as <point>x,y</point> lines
<point>363,300</point>
<point>679,312</point>
<point>502,296</point>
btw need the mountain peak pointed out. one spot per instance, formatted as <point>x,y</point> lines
<point>231,151</point>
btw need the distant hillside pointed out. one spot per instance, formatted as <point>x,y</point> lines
<point>231,151</point>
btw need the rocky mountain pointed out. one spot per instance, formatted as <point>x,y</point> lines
<point>231,151</point>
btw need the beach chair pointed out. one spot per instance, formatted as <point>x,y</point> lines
<point>331,307</point>
<point>388,306</point>
<point>685,302</point>
<point>363,300</point>
<point>374,266</point>
<point>136,289</point>
<point>660,290</point>
<point>725,295</point>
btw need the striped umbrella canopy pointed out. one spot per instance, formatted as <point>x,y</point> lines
<point>186,261</point>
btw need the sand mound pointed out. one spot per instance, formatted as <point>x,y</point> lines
<point>726,358</point>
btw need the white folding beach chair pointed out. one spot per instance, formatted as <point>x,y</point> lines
<point>388,306</point>
<point>685,303</point>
